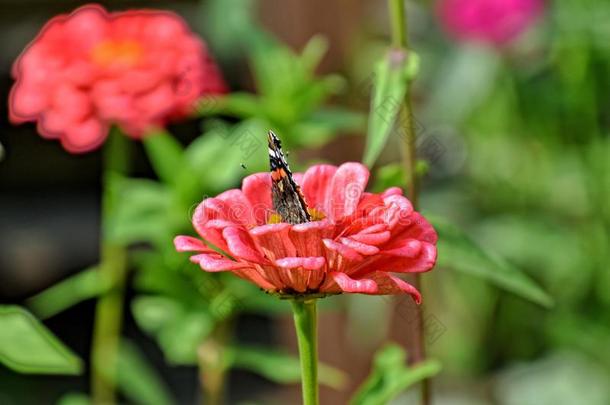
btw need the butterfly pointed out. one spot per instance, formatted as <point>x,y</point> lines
<point>288,200</point>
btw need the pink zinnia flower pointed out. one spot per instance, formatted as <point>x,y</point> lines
<point>492,21</point>
<point>353,244</point>
<point>91,69</point>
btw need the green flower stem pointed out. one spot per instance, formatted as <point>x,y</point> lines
<point>305,322</point>
<point>113,270</point>
<point>400,41</point>
<point>213,367</point>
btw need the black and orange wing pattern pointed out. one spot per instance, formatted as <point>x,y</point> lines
<point>288,200</point>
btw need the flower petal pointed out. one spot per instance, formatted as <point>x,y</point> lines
<point>409,260</point>
<point>391,191</point>
<point>415,227</point>
<point>190,244</point>
<point>307,263</point>
<point>214,262</point>
<point>341,249</point>
<point>302,273</point>
<point>257,189</point>
<point>307,237</point>
<point>273,240</point>
<point>241,246</point>
<point>346,188</point>
<point>375,239</point>
<point>348,284</point>
<point>362,248</point>
<point>398,211</point>
<point>238,208</point>
<point>315,186</point>
<point>389,284</point>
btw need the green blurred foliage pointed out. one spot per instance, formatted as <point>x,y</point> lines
<point>290,97</point>
<point>27,346</point>
<point>390,376</point>
<point>530,202</point>
<point>533,190</point>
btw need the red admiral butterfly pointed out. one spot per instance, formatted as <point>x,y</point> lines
<point>288,200</point>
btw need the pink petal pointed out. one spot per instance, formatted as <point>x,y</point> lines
<point>230,207</point>
<point>404,248</point>
<point>415,227</point>
<point>143,80</point>
<point>389,284</point>
<point>315,185</point>
<point>399,211</point>
<point>215,262</point>
<point>402,262</point>
<point>346,188</point>
<point>86,26</point>
<point>25,103</point>
<point>84,136</point>
<point>298,178</point>
<point>342,250</point>
<point>257,189</point>
<point>190,244</point>
<point>257,277</point>
<point>362,248</point>
<point>375,239</point>
<point>154,104</point>
<point>73,104</point>
<point>391,191</point>
<point>274,241</point>
<point>302,272</point>
<point>307,263</point>
<point>239,208</point>
<point>307,237</point>
<point>241,246</point>
<point>373,229</point>
<point>348,284</point>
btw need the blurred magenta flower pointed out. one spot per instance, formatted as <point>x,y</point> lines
<point>354,242</point>
<point>88,70</point>
<point>491,21</point>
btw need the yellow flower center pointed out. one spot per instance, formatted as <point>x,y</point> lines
<point>122,53</point>
<point>315,215</point>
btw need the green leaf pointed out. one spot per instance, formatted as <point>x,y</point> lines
<point>390,376</point>
<point>313,52</point>
<point>143,211</point>
<point>234,144</point>
<point>165,154</point>
<point>336,119</point>
<point>458,251</point>
<point>27,346</point>
<point>319,127</point>
<point>238,104</point>
<point>153,313</point>
<point>230,25</point>
<point>280,367</point>
<point>178,330</point>
<point>392,175</point>
<point>67,293</point>
<point>74,398</point>
<point>138,380</point>
<point>390,86</point>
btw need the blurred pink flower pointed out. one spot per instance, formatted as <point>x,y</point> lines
<point>491,21</point>
<point>354,243</point>
<point>88,70</point>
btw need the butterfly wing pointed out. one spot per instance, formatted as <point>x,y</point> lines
<point>288,200</point>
